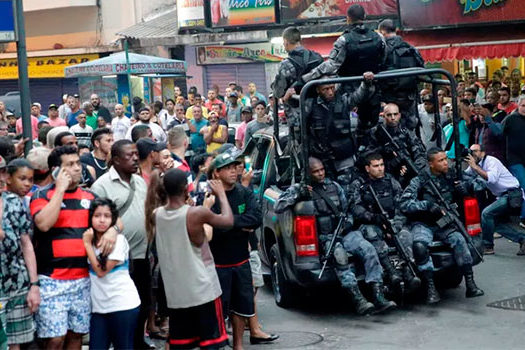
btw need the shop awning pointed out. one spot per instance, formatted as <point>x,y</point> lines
<point>116,64</point>
<point>468,43</point>
<point>163,26</point>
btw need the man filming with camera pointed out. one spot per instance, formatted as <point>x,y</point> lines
<point>509,199</point>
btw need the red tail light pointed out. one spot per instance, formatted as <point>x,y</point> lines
<point>472,217</point>
<point>306,243</point>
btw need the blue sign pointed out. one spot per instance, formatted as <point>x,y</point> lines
<point>7,21</point>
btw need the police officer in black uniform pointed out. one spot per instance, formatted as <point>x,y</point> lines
<point>410,145</point>
<point>421,205</point>
<point>357,51</point>
<point>299,61</point>
<point>402,91</point>
<point>367,213</point>
<point>330,127</point>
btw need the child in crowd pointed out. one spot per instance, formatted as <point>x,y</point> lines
<point>20,293</point>
<point>114,297</point>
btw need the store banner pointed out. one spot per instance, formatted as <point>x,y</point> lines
<point>235,13</point>
<point>428,14</point>
<point>248,53</point>
<point>43,67</point>
<point>292,10</point>
<point>190,13</point>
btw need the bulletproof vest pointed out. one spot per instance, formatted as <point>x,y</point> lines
<point>399,55</point>
<point>304,61</point>
<point>364,51</point>
<point>444,184</point>
<point>331,125</point>
<point>326,218</point>
<point>385,193</point>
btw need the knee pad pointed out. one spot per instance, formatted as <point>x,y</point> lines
<point>420,250</point>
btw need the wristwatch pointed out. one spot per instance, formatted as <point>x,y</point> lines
<point>119,231</point>
<point>36,283</point>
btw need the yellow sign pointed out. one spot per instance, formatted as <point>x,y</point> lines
<point>43,67</point>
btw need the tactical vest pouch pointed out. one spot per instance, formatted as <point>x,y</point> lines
<point>515,199</point>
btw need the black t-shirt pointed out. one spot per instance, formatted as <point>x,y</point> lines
<point>104,112</point>
<point>230,247</point>
<point>99,164</point>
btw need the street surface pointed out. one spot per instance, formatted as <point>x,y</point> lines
<point>454,323</point>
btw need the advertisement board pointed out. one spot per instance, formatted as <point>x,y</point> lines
<point>292,10</point>
<point>237,13</point>
<point>7,21</point>
<point>43,67</point>
<point>190,13</point>
<point>248,53</point>
<point>423,14</point>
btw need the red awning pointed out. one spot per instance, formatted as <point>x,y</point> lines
<point>449,44</point>
<point>468,43</point>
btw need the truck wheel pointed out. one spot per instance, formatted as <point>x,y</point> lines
<point>282,289</point>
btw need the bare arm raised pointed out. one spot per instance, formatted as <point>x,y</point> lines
<point>198,216</point>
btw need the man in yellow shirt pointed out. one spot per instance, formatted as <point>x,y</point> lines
<point>198,102</point>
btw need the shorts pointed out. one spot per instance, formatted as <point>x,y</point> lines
<point>66,305</point>
<point>17,318</point>
<point>199,326</point>
<point>255,266</point>
<point>237,289</point>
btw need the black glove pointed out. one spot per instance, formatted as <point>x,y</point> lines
<point>461,188</point>
<point>436,210</point>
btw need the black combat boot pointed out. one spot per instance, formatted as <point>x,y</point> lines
<point>432,293</point>
<point>362,306</point>
<point>472,290</point>
<point>379,300</point>
<point>413,282</point>
<point>390,271</point>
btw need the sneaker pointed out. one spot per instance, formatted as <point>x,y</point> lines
<point>522,249</point>
<point>497,235</point>
<point>488,251</point>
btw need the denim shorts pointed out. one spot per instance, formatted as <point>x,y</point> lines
<point>66,305</point>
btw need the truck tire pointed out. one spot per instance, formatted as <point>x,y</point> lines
<point>282,289</point>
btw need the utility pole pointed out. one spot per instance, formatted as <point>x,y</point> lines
<point>23,77</point>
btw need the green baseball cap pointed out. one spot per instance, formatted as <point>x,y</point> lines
<point>223,159</point>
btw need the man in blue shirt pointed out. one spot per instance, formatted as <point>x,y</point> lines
<point>506,188</point>
<point>196,124</point>
<point>73,102</point>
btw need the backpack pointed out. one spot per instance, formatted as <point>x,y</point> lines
<point>303,64</point>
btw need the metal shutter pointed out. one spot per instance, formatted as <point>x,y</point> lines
<point>242,74</point>
<point>44,91</point>
<point>48,91</point>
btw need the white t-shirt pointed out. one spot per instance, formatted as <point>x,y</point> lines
<point>83,135</point>
<point>165,118</point>
<point>158,134</point>
<point>120,127</point>
<point>116,290</point>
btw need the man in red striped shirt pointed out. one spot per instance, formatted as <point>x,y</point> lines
<point>60,215</point>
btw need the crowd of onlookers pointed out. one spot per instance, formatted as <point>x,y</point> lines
<point>82,210</point>
<point>78,240</point>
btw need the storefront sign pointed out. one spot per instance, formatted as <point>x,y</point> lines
<point>43,67</point>
<point>292,10</point>
<point>190,13</point>
<point>233,13</point>
<point>7,21</point>
<point>422,14</point>
<point>264,52</point>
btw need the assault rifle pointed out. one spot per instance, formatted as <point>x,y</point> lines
<point>451,215</point>
<point>330,251</point>
<point>390,230</point>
